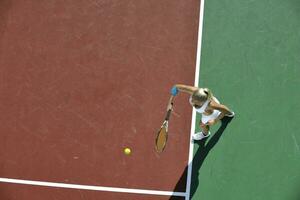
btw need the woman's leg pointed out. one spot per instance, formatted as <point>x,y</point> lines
<point>203,134</point>
<point>205,128</point>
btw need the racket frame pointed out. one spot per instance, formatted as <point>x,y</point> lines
<point>166,126</point>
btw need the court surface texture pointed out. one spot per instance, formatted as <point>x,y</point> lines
<point>82,80</point>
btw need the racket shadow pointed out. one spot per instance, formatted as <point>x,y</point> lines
<point>198,159</point>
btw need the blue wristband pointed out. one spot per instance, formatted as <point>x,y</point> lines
<point>174,91</point>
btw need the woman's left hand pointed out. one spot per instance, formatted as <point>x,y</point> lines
<point>212,122</point>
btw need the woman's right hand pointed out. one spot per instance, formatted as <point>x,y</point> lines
<point>174,91</point>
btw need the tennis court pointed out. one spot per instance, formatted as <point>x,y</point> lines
<point>82,80</point>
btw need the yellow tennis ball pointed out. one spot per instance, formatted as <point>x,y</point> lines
<point>127,151</point>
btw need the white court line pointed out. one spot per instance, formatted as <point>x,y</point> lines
<point>196,84</point>
<point>89,187</point>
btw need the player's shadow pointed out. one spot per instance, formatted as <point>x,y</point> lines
<point>199,157</point>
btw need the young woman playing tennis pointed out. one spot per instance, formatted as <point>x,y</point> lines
<point>205,103</point>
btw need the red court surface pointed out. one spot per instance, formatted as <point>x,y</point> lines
<point>81,80</point>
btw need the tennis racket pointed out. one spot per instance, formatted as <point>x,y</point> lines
<point>162,134</point>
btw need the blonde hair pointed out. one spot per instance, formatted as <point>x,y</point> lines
<point>202,94</point>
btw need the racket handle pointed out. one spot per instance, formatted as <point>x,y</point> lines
<point>168,115</point>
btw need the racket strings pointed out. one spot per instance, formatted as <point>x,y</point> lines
<point>161,139</point>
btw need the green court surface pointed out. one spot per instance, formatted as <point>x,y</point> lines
<point>251,61</point>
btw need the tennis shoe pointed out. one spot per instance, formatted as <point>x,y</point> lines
<point>200,136</point>
<point>231,114</point>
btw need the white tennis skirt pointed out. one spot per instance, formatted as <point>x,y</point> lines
<point>214,115</point>
<point>206,118</point>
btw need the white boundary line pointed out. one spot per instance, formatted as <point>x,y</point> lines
<point>89,187</point>
<point>196,83</point>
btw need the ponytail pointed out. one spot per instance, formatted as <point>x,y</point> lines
<point>208,93</point>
